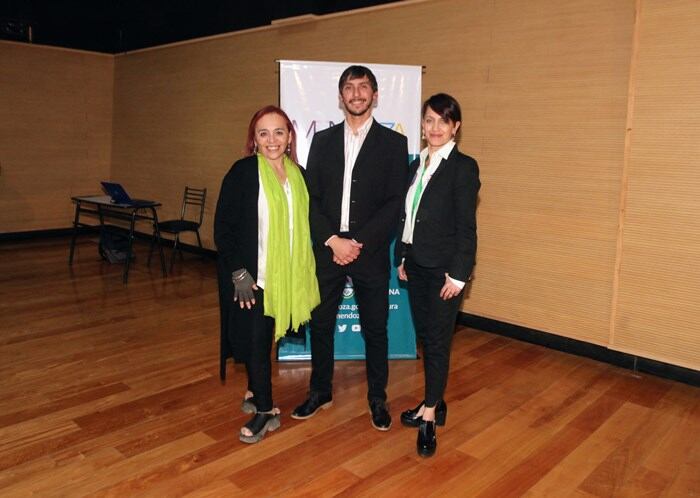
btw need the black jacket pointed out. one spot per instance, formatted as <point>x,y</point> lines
<point>444,235</point>
<point>378,184</point>
<point>236,238</point>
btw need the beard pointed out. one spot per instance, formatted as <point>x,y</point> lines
<point>363,110</point>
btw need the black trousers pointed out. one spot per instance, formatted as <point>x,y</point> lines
<point>259,365</point>
<point>434,319</point>
<point>372,295</point>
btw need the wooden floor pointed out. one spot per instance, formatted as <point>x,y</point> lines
<point>109,390</point>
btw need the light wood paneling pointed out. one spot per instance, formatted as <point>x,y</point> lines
<point>659,309</point>
<point>55,132</point>
<point>550,146</point>
<point>544,88</point>
<point>183,111</point>
<point>128,402</point>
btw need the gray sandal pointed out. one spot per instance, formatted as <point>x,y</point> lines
<point>259,425</point>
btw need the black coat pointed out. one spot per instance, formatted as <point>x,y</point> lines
<point>236,238</point>
<point>444,235</point>
<point>378,184</point>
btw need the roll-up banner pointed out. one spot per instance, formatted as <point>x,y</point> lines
<point>309,95</point>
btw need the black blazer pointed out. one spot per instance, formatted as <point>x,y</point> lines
<point>236,238</point>
<point>236,218</point>
<point>444,235</point>
<point>378,185</point>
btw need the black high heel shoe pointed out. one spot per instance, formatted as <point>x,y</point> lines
<point>426,444</point>
<point>410,418</point>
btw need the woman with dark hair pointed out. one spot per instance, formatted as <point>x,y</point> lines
<point>435,250</point>
<point>266,268</point>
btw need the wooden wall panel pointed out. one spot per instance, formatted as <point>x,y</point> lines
<point>184,110</point>
<point>55,132</point>
<point>552,137</point>
<point>659,308</point>
<point>543,85</point>
<point>544,88</point>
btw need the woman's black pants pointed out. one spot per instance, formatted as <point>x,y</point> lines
<point>434,319</point>
<point>258,364</point>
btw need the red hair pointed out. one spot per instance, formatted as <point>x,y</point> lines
<point>249,148</point>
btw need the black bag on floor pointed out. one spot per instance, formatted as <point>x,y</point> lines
<point>114,245</point>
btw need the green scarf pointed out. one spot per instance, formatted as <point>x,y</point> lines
<point>291,288</point>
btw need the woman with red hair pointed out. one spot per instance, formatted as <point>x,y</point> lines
<point>266,268</point>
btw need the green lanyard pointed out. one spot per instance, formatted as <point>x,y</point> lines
<point>419,191</point>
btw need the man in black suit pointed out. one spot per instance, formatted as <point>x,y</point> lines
<point>356,175</point>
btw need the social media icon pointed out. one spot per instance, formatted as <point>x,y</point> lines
<point>356,328</point>
<point>342,328</point>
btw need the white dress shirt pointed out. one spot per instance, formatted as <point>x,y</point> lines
<point>353,144</point>
<point>264,226</point>
<point>435,160</point>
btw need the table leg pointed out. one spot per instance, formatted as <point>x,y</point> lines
<point>76,222</point>
<point>100,247</point>
<point>129,248</point>
<point>156,232</point>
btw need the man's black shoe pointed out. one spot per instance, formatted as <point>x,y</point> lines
<point>313,403</point>
<point>381,420</point>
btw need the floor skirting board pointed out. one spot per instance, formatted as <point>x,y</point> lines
<point>582,348</point>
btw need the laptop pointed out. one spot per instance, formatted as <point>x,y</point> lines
<point>119,196</point>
